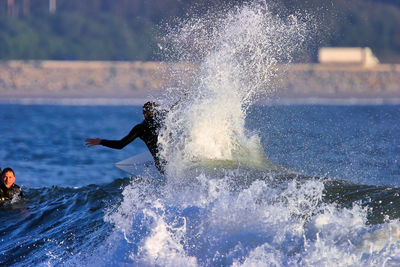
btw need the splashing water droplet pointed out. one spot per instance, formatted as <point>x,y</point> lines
<point>237,52</point>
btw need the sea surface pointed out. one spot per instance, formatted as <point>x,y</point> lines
<point>246,184</point>
<point>338,206</point>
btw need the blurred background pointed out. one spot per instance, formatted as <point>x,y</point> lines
<point>113,49</point>
<point>127,30</point>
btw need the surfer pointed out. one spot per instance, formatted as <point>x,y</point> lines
<point>147,130</point>
<point>8,188</point>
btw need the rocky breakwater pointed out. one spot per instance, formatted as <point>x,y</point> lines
<point>91,79</point>
<point>338,81</point>
<point>58,79</point>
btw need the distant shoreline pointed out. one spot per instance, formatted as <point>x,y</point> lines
<point>132,82</point>
<point>69,101</point>
<point>139,101</point>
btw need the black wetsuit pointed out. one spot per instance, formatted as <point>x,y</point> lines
<point>9,193</point>
<point>148,131</point>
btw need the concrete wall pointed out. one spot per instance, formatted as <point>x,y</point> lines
<point>318,80</point>
<point>140,79</point>
<point>78,78</point>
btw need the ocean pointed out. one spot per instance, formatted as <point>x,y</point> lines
<point>247,183</point>
<point>80,210</point>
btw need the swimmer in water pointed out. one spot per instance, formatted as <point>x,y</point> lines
<point>8,188</point>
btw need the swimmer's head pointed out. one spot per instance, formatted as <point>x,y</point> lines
<point>8,177</point>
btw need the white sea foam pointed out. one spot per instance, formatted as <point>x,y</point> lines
<point>233,217</point>
<point>267,223</point>
<point>237,52</point>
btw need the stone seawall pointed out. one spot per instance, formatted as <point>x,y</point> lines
<point>332,81</point>
<point>79,78</point>
<point>140,79</point>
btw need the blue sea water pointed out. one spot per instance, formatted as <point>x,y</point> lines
<point>79,210</point>
<point>334,200</point>
<point>358,143</point>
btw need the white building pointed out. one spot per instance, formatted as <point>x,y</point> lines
<point>347,56</point>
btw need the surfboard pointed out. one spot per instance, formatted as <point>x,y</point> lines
<point>244,158</point>
<point>137,164</point>
<point>144,163</point>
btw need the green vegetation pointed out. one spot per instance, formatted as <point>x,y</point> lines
<point>73,36</point>
<point>128,29</point>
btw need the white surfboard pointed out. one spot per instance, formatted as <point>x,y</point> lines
<point>144,162</point>
<point>137,164</point>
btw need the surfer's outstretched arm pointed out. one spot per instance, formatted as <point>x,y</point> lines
<point>116,144</point>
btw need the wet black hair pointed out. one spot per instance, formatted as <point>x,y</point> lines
<point>149,106</point>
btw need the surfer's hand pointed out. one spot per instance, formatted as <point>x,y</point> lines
<point>92,142</point>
